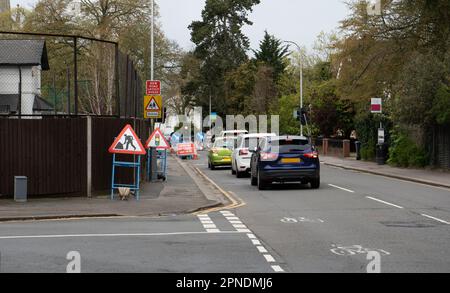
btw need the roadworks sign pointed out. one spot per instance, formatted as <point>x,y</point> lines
<point>153,107</point>
<point>127,142</point>
<point>157,140</point>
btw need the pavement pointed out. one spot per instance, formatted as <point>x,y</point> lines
<point>178,195</point>
<point>440,178</point>
<point>354,223</point>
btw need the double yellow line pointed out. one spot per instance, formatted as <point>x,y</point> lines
<point>235,201</point>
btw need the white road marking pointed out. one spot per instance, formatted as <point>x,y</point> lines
<point>256,242</point>
<point>242,228</point>
<point>262,249</point>
<point>341,188</point>
<point>269,258</point>
<point>112,235</point>
<point>235,222</point>
<point>436,219</point>
<point>208,224</point>
<point>213,230</point>
<point>385,202</point>
<point>277,269</point>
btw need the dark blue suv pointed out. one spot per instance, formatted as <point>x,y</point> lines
<point>285,159</point>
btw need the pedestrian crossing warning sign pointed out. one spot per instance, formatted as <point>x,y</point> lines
<point>127,143</point>
<point>153,107</point>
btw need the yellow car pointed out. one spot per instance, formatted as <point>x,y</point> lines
<point>221,151</point>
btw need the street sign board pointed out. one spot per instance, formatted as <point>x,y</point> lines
<point>381,136</point>
<point>127,142</point>
<point>153,107</point>
<point>185,149</point>
<point>157,140</point>
<point>376,105</point>
<point>153,87</point>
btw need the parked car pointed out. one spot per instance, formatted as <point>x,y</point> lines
<point>285,159</point>
<point>220,153</point>
<point>240,161</point>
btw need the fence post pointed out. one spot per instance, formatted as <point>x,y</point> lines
<point>325,146</point>
<point>75,74</point>
<point>116,46</point>
<point>19,102</point>
<point>89,156</point>
<point>346,148</point>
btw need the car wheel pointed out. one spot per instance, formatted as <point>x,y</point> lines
<point>315,183</point>
<point>233,172</point>
<point>262,185</point>
<point>213,167</point>
<point>253,180</point>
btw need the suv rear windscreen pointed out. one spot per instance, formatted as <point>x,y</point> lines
<point>288,146</point>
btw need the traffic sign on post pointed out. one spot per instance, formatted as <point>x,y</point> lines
<point>157,140</point>
<point>127,142</point>
<point>376,106</point>
<point>153,107</point>
<point>153,87</point>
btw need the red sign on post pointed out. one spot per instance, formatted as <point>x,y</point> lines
<point>153,87</point>
<point>376,105</point>
<point>185,149</point>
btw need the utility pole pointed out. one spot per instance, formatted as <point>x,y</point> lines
<point>152,40</point>
<point>301,78</point>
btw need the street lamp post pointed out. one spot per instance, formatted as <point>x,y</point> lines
<point>301,79</point>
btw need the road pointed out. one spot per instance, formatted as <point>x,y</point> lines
<point>289,228</point>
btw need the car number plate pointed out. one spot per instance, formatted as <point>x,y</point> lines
<point>291,161</point>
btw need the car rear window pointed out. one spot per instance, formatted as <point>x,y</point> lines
<point>251,142</point>
<point>288,146</point>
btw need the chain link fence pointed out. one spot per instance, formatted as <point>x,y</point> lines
<point>60,75</point>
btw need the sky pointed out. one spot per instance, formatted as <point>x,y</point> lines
<point>300,21</point>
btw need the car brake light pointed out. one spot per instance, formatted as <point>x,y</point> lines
<point>313,155</point>
<point>269,157</point>
<point>243,152</point>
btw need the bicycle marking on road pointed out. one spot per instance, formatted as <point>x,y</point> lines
<point>341,188</point>
<point>436,219</point>
<point>385,202</point>
<point>342,250</point>
<point>242,228</point>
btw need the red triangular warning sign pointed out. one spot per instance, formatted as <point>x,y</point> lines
<point>152,105</point>
<point>157,140</point>
<point>127,143</point>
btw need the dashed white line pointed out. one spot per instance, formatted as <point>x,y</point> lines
<point>385,202</point>
<point>262,249</point>
<point>436,219</point>
<point>208,224</point>
<point>277,269</point>
<point>269,258</point>
<point>341,188</point>
<point>242,228</point>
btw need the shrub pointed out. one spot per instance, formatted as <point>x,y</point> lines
<point>405,153</point>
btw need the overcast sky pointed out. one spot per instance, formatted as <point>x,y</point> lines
<point>295,20</point>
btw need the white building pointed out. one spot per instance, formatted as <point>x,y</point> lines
<point>21,63</point>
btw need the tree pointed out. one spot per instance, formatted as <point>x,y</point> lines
<point>221,46</point>
<point>272,53</point>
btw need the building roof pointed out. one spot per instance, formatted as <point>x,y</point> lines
<point>24,52</point>
<point>9,103</point>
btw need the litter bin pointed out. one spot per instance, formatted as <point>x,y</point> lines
<point>358,150</point>
<point>20,188</point>
<point>381,155</point>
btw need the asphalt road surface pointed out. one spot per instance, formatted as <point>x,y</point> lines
<point>289,228</point>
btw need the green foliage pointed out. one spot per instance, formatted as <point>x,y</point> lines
<point>367,125</point>
<point>441,105</point>
<point>272,53</point>
<point>404,152</point>
<point>221,46</point>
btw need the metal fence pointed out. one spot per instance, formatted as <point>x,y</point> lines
<point>64,75</point>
